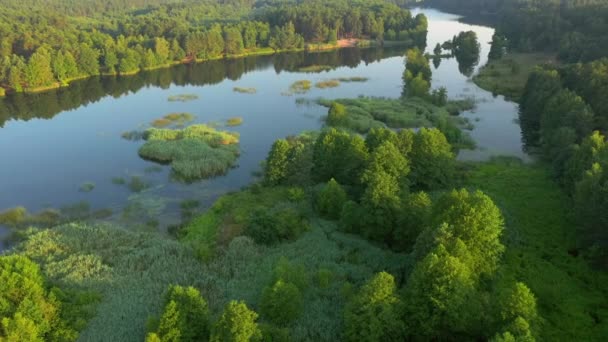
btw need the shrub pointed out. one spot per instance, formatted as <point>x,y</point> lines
<point>236,324</point>
<point>185,317</point>
<point>29,312</point>
<point>281,302</point>
<point>331,199</point>
<point>336,115</point>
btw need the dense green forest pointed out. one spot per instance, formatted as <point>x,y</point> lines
<point>43,47</point>
<point>575,29</point>
<point>369,229</point>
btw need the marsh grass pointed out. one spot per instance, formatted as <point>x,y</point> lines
<point>299,87</point>
<point>327,84</point>
<point>365,113</point>
<point>196,152</point>
<point>173,119</point>
<point>87,187</point>
<point>352,79</point>
<point>236,121</point>
<point>182,98</point>
<point>137,184</point>
<point>539,235</point>
<point>244,90</point>
<point>133,135</point>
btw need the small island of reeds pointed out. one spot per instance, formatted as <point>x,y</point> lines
<point>195,152</point>
<point>182,98</point>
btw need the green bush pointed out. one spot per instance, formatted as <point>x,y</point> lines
<point>236,324</point>
<point>331,199</point>
<point>185,317</point>
<point>281,303</point>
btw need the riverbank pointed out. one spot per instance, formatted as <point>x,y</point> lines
<point>508,76</point>
<point>309,47</point>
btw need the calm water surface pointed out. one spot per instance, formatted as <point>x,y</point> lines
<point>54,142</point>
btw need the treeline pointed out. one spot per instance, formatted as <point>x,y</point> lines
<point>43,47</point>
<point>322,21</point>
<point>564,113</point>
<point>576,29</point>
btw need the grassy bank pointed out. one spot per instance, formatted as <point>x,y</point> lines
<point>541,250</point>
<point>508,76</point>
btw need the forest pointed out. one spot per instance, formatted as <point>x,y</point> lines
<point>51,49</point>
<point>370,228</point>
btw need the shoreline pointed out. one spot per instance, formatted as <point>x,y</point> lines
<point>354,43</point>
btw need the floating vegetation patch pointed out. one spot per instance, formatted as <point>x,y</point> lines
<point>195,152</point>
<point>137,184</point>
<point>133,135</point>
<point>119,181</point>
<point>182,98</point>
<point>173,119</point>
<point>299,87</point>
<point>244,90</point>
<point>143,207</point>
<point>315,68</point>
<point>352,79</point>
<point>236,121</point>
<point>327,84</point>
<point>86,187</point>
<point>19,217</point>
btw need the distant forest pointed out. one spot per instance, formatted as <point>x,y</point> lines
<point>47,43</point>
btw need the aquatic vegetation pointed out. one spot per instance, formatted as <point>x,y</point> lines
<point>300,87</point>
<point>315,68</point>
<point>196,152</point>
<point>137,184</point>
<point>20,217</point>
<point>236,121</point>
<point>143,207</point>
<point>352,79</point>
<point>327,84</point>
<point>364,113</point>
<point>160,123</point>
<point>86,187</point>
<point>13,216</point>
<point>244,90</point>
<point>182,98</point>
<point>119,181</point>
<point>133,135</point>
<point>177,119</point>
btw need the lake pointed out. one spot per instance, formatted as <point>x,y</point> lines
<point>53,143</point>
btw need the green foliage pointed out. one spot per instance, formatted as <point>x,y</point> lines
<point>236,121</point>
<point>436,296</point>
<point>466,48</point>
<point>195,152</point>
<point>539,235</point>
<point>417,74</point>
<point>364,114</point>
<point>276,162</point>
<point>432,159</point>
<point>339,155</point>
<point>415,216</point>
<point>281,303</point>
<point>244,90</point>
<point>268,228</point>
<point>540,87</point>
<point>373,314</point>
<point>336,115</point>
<point>331,199</point>
<point>28,310</point>
<point>300,87</point>
<point>327,84</point>
<point>471,219</point>
<point>86,187</point>
<point>185,317</point>
<point>236,324</point>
